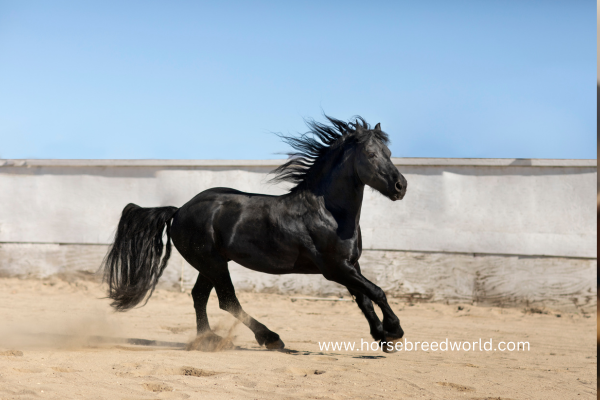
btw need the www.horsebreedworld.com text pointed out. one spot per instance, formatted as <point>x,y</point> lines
<point>446,345</point>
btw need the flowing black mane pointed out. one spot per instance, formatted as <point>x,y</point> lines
<point>316,144</point>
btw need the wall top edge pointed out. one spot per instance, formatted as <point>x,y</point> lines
<point>428,162</point>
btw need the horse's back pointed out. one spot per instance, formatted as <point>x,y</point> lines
<point>217,193</point>
<point>218,197</point>
<point>198,213</point>
<point>254,230</point>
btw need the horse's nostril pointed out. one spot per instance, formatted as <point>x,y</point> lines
<point>398,186</point>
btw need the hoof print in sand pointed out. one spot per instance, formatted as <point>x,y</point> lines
<point>304,371</point>
<point>178,329</point>
<point>63,369</point>
<point>456,386</point>
<point>13,353</point>
<point>157,387</point>
<point>191,371</point>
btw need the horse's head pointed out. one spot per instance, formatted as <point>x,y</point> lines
<point>374,166</point>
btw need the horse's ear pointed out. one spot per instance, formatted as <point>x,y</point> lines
<point>378,127</point>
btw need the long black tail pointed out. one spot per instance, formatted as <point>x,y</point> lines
<point>133,265</point>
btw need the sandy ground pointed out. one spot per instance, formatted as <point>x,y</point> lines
<point>561,363</point>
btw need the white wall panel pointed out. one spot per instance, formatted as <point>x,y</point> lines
<point>520,207</point>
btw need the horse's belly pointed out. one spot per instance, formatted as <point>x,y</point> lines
<point>265,263</point>
<point>282,260</point>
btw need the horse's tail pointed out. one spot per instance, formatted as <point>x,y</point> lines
<point>133,265</point>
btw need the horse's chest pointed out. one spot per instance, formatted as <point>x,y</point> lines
<point>333,248</point>
<point>330,244</point>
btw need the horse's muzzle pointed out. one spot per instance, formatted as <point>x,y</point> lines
<point>399,189</point>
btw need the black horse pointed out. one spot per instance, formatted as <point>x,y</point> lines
<point>313,229</point>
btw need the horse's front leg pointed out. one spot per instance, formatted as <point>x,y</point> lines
<point>345,274</point>
<point>366,306</point>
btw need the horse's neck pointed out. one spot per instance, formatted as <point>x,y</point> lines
<point>342,194</point>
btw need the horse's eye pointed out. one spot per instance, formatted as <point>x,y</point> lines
<point>372,155</point>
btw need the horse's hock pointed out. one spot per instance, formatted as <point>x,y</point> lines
<point>495,231</point>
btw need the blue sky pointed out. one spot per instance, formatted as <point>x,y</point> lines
<point>193,80</point>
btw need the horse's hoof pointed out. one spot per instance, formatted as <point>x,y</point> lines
<point>276,345</point>
<point>390,345</point>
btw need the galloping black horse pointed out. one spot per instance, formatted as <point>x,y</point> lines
<point>313,229</point>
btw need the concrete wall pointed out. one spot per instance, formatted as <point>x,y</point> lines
<point>467,230</point>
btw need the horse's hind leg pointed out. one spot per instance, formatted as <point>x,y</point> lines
<point>228,301</point>
<point>206,339</point>
<point>200,294</point>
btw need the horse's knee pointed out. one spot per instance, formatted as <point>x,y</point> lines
<point>379,296</point>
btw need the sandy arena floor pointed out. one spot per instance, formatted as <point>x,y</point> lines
<point>36,362</point>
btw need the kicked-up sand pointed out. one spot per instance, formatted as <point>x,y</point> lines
<point>57,342</point>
